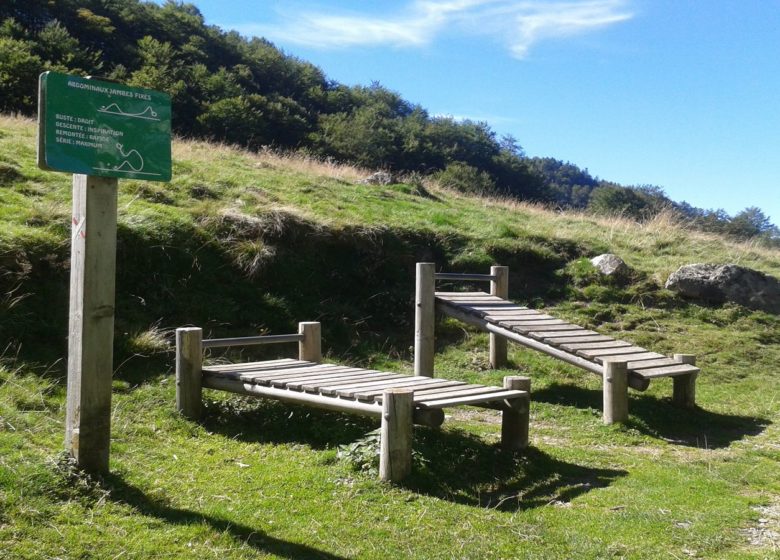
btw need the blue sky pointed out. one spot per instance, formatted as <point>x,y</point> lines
<point>682,94</point>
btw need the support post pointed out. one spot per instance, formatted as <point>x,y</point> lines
<point>310,348</point>
<point>615,392</point>
<point>498,287</point>
<point>515,421</point>
<point>395,454</point>
<point>424,318</point>
<point>684,388</point>
<point>91,322</point>
<point>189,372</point>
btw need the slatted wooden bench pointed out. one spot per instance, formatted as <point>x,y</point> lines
<point>399,400</point>
<point>622,364</point>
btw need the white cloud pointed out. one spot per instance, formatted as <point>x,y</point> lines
<point>518,25</point>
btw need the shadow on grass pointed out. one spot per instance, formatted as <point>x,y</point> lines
<point>122,492</point>
<point>449,464</point>
<point>659,418</point>
<point>462,468</point>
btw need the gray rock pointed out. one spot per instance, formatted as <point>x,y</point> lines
<point>379,178</point>
<point>727,282</point>
<point>610,265</point>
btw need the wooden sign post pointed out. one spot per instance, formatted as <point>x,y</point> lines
<point>100,131</point>
<point>91,325</point>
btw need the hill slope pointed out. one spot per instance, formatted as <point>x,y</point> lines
<point>240,243</point>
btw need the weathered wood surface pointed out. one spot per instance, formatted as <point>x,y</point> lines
<point>395,442</point>
<point>574,344</point>
<point>347,388</point>
<point>91,322</point>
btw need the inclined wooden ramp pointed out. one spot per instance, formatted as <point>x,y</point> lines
<point>559,338</point>
<point>398,400</point>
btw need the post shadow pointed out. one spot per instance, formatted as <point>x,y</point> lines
<point>659,418</point>
<point>125,493</point>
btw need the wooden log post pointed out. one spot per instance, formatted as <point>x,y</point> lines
<point>91,321</point>
<point>189,366</point>
<point>310,348</point>
<point>424,318</point>
<point>499,287</point>
<point>395,454</point>
<point>615,392</point>
<point>684,388</point>
<point>515,419</point>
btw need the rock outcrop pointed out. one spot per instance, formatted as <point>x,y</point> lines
<point>727,282</point>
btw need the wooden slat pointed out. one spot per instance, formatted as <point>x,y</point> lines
<point>367,381</point>
<point>679,369</point>
<point>408,383</point>
<point>595,345</point>
<point>313,385</point>
<point>298,384</point>
<point>521,311</point>
<point>271,364</point>
<point>542,329</point>
<point>604,352</point>
<point>541,320</point>
<point>333,388</point>
<point>472,399</point>
<point>368,395</point>
<point>457,392</point>
<point>576,338</point>
<point>645,364</point>
<point>459,294</point>
<point>316,375</point>
<point>632,357</point>
<point>545,335</point>
<point>266,377</point>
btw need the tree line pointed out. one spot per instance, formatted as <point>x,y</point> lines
<point>242,91</point>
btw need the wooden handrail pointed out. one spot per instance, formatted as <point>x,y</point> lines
<point>251,340</point>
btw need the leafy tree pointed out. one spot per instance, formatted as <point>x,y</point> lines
<point>19,69</point>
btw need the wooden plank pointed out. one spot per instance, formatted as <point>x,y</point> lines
<point>368,395</point>
<point>350,392</point>
<point>310,375</point>
<point>577,338</point>
<point>669,371</point>
<point>265,377</point>
<point>604,352</point>
<point>500,315</point>
<point>632,357</point>
<point>458,294</point>
<point>297,384</point>
<point>313,385</point>
<point>571,335</point>
<point>368,380</point>
<point>541,329</point>
<point>259,366</point>
<point>494,395</point>
<point>462,385</point>
<point>457,392</point>
<point>376,382</point>
<point>639,366</point>
<point>595,345</point>
<point>531,324</point>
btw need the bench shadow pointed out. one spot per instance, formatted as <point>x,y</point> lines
<point>659,418</point>
<point>449,464</point>
<point>125,493</point>
<point>462,468</point>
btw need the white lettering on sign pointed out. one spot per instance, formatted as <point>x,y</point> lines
<point>76,131</point>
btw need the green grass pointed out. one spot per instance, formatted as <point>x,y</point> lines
<point>286,239</point>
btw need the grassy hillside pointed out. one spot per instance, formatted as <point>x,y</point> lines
<point>241,243</point>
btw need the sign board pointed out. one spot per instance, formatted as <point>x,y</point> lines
<point>94,127</point>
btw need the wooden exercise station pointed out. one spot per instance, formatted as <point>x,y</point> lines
<point>399,400</point>
<point>621,364</point>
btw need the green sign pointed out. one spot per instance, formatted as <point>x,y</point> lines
<point>94,127</point>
